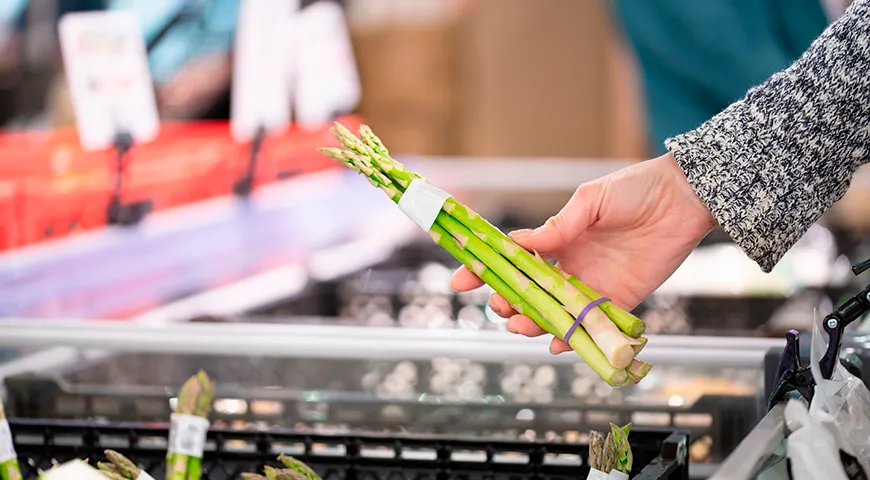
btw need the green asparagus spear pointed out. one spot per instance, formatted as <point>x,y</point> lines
<point>9,469</point>
<point>294,464</point>
<point>621,448</point>
<point>120,465</point>
<point>638,369</point>
<point>195,399</point>
<point>368,158</point>
<point>519,286</point>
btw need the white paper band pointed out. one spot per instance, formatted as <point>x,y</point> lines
<point>617,475</point>
<point>187,434</point>
<point>7,450</point>
<point>597,475</point>
<point>422,203</point>
<point>143,475</point>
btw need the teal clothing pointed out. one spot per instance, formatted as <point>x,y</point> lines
<point>697,57</point>
<point>208,28</point>
<point>10,12</point>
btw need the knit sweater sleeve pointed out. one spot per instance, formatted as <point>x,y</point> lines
<point>770,164</point>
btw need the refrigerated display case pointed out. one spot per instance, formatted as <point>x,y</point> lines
<point>327,378</point>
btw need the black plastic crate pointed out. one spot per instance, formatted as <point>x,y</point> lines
<point>658,455</point>
<point>326,395</point>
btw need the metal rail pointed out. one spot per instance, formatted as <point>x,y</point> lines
<point>350,342</point>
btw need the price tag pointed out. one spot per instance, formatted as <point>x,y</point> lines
<point>261,68</point>
<point>326,77</point>
<point>109,81</point>
<point>7,450</point>
<point>187,434</point>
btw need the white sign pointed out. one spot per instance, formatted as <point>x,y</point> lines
<point>261,67</point>
<point>109,81</point>
<point>326,77</point>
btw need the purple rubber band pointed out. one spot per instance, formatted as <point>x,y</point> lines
<point>582,315</point>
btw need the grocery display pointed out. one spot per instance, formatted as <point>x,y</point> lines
<point>657,454</point>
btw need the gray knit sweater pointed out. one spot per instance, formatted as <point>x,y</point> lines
<point>769,165</point>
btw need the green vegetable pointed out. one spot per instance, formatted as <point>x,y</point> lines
<point>195,398</point>
<point>552,299</point>
<point>9,469</point>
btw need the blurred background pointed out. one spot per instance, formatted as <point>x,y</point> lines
<point>309,298</point>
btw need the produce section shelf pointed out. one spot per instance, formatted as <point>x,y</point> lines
<point>658,454</point>
<point>386,379</point>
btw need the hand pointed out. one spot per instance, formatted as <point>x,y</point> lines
<point>188,92</point>
<point>623,235</point>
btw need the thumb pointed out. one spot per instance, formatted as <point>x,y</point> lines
<point>561,229</point>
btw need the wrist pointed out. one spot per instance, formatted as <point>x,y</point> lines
<point>684,191</point>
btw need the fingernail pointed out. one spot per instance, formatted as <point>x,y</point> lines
<point>552,352</point>
<point>509,328</point>
<point>521,233</point>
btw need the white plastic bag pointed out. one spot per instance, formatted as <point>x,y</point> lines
<point>812,448</point>
<point>841,404</point>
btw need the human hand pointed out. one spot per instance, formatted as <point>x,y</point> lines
<point>623,235</point>
<point>189,91</point>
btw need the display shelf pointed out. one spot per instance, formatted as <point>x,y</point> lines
<point>658,454</point>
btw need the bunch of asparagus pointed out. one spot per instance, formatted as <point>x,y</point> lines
<point>610,453</point>
<point>120,467</point>
<point>610,337</point>
<point>195,399</point>
<point>8,459</point>
<point>294,470</point>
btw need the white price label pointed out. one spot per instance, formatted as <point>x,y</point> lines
<point>326,77</point>
<point>187,434</point>
<point>107,71</point>
<point>261,68</point>
<point>7,450</point>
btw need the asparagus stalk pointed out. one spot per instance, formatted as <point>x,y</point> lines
<point>297,466</point>
<point>9,469</point>
<point>596,451</point>
<point>368,156</point>
<point>295,470</point>
<point>573,294</point>
<point>625,320</point>
<point>195,399</point>
<point>621,448</point>
<point>119,466</point>
<point>520,291</point>
<point>638,369</point>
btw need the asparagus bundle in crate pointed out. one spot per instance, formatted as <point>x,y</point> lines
<point>610,457</point>
<point>188,429</point>
<point>607,337</point>
<point>8,458</point>
<point>120,467</point>
<point>293,470</point>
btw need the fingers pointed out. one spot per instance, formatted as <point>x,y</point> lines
<point>558,346</point>
<point>525,326</point>
<point>561,229</point>
<point>463,280</point>
<point>501,306</point>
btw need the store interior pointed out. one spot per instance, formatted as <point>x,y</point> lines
<point>203,231</point>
